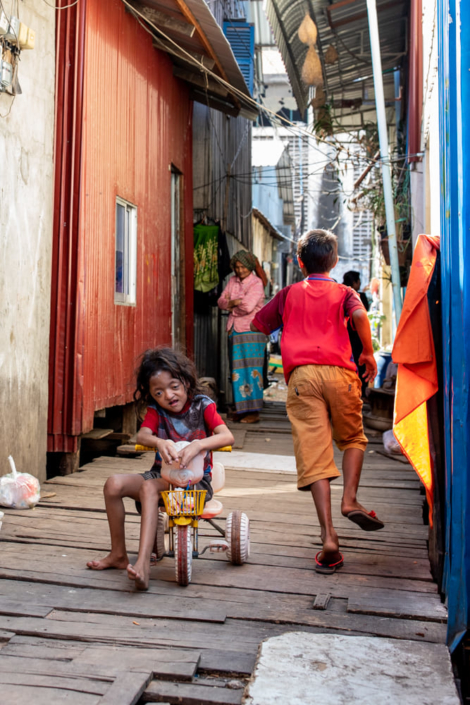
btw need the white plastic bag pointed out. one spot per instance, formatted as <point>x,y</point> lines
<point>19,490</point>
<point>182,477</point>
<point>391,444</point>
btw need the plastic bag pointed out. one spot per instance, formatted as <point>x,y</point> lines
<point>391,444</point>
<point>182,477</point>
<point>19,490</point>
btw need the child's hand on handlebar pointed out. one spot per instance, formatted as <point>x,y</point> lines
<point>189,452</point>
<point>167,450</point>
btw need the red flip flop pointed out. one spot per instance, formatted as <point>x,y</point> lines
<point>367,521</point>
<point>328,568</point>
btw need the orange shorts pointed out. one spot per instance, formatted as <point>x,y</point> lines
<point>324,404</point>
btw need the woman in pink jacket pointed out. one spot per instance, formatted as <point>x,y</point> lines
<point>243,297</point>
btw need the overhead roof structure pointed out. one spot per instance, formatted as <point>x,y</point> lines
<point>193,37</point>
<point>348,82</point>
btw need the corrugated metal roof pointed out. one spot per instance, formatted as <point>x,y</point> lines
<point>274,232</point>
<point>207,43</point>
<point>348,82</point>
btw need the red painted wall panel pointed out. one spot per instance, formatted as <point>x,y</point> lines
<point>136,123</point>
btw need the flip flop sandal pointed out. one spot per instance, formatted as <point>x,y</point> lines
<point>250,418</point>
<point>328,568</point>
<point>367,521</point>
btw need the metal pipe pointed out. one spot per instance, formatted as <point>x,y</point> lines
<point>384,155</point>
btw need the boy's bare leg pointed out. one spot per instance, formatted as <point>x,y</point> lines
<point>116,488</point>
<point>149,496</point>
<point>322,497</point>
<point>352,468</point>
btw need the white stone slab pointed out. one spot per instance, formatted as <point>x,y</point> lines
<point>259,462</point>
<point>298,668</point>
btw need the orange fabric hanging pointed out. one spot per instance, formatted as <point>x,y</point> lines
<point>413,350</point>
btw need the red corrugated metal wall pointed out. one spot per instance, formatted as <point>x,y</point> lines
<point>136,123</point>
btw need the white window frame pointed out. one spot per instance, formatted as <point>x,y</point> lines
<point>128,296</point>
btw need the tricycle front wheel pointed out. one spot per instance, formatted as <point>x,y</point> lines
<point>183,554</point>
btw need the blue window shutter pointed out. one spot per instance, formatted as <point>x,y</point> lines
<point>241,37</point>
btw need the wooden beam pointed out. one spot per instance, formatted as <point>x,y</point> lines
<point>198,79</point>
<point>205,42</point>
<point>213,102</point>
<point>166,21</point>
<point>174,51</point>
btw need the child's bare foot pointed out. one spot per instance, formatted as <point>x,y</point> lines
<point>330,552</point>
<point>110,561</point>
<point>351,506</point>
<point>355,512</point>
<point>139,576</point>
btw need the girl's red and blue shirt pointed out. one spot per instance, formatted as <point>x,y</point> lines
<point>197,420</point>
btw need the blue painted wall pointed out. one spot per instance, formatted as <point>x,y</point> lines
<point>454,89</point>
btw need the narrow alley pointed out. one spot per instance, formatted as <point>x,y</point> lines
<point>73,635</point>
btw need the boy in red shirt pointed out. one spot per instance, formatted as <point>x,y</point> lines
<point>324,391</point>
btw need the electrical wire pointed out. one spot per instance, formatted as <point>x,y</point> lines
<point>232,89</point>
<point>64,7</point>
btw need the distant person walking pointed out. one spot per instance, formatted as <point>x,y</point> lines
<point>353,279</point>
<point>243,297</point>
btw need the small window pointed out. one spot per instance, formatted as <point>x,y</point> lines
<point>126,253</point>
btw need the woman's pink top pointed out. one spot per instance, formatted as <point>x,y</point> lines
<point>250,290</point>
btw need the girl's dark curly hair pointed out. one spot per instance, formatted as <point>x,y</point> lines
<point>163,359</point>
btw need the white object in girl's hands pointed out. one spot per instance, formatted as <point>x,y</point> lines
<point>19,490</point>
<point>182,477</point>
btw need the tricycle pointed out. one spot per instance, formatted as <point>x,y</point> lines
<point>184,507</point>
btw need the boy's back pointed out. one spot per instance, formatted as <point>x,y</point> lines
<point>313,313</point>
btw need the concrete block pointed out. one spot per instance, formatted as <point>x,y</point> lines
<point>298,668</point>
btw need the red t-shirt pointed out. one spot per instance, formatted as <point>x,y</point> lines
<point>212,418</point>
<point>197,420</point>
<point>314,314</point>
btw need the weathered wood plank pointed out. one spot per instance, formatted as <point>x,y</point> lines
<point>75,684</point>
<point>321,601</point>
<point>414,607</point>
<point>21,694</point>
<point>160,691</point>
<point>126,689</point>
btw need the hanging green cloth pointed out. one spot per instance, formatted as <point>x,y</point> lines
<point>206,243</point>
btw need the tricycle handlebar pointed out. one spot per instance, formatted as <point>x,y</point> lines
<point>139,448</point>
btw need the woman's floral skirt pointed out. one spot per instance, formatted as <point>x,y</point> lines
<point>246,352</point>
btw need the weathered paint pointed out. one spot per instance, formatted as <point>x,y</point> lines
<point>26,214</point>
<point>136,122</point>
<point>454,90</point>
<point>222,171</point>
<point>415,87</point>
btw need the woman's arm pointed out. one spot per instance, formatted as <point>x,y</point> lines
<point>224,298</point>
<point>253,298</point>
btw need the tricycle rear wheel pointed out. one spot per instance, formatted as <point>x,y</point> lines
<point>237,534</point>
<point>161,545</point>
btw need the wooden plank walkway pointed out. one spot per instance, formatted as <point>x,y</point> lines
<point>68,633</point>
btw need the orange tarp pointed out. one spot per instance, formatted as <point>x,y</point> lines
<point>417,372</point>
